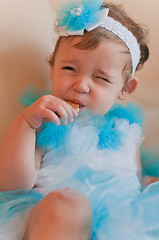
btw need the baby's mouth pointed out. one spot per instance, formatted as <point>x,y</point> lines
<point>77,105</point>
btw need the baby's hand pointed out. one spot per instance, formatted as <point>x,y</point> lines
<point>49,108</point>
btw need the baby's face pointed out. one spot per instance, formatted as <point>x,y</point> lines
<point>92,78</point>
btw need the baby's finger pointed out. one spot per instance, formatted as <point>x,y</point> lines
<point>74,107</point>
<point>50,116</point>
<point>70,112</point>
<point>63,114</point>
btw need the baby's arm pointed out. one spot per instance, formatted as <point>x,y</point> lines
<point>18,167</point>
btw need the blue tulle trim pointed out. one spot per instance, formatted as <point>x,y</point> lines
<point>31,94</point>
<point>52,135</point>
<point>14,202</point>
<point>56,136</point>
<point>132,113</point>
<point>109,136</point>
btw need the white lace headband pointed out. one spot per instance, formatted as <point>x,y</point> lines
<point>126,36</point>
<point>72,20</point>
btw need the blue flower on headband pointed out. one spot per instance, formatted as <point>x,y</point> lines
<point>75,17</point>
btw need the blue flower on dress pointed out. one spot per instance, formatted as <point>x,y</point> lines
<point>109,136</point>
<point>74,17</point>
<point>52,135</point>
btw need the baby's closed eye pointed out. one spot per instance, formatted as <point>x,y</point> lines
<point>103,78</point>
<point>68,68</point>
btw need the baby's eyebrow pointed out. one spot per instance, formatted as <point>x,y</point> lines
<point>68,61</point>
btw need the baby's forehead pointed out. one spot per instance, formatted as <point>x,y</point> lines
<point>107,53</point>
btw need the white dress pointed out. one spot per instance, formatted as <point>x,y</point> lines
<point>96,156</point>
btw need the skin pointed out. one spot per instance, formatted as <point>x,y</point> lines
<point>94,80</point>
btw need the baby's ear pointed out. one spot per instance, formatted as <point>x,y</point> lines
<point>128,88</point>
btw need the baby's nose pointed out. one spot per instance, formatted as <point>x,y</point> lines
<point>82,85</point>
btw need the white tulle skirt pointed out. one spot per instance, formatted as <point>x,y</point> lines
<point>108,177</point>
